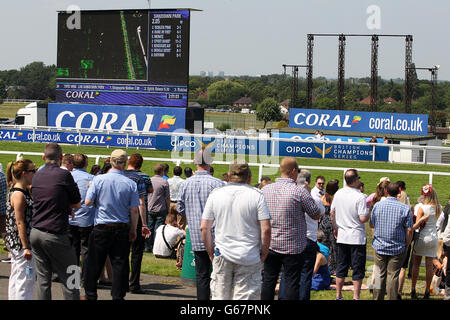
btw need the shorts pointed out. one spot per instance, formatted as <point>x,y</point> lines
<point>351,255</point>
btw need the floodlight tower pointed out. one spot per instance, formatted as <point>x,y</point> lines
<point>374,75</point>
<point>309,81</point>
<point>341,72</point>
<point>294,82</point>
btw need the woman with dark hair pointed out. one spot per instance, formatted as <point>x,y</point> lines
<point>96,169</point>
<point>18,227</point>
<point>326,225</point>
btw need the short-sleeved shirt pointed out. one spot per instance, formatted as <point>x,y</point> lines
<point>171,234</point>
<point>288,204</point>
<point>148,184</point>
<point>3,189</point>
<point>140,182</point>
<point>53,190</point>
<point>174,186</point>
<point>114,195</point>
<point>237,209</point>
<point>157,200</point>
<point>84,216</point>
<point>390,219</point>
<point>192,199</point>
<point>349,204</point>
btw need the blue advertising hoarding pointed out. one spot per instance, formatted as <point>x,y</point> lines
<point>358,121</point>
<point>96,139</point>
<point>309,137</point>
<point>331,151</point>
<point>229,145</point>
<point>126,118</point>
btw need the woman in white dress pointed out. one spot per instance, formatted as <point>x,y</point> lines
<point>427,243</point>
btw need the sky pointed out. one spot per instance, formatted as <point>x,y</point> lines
<point>255,37</point>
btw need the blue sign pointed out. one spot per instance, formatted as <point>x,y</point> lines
<point>309,137</point>
<point>376,122</point>
<point>78,138</point>
<point>230,145</point>
<point>126,118</point>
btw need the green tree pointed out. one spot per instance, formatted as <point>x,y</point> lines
<point>2,90</point>
<point>225,92</point>
<point>268,110</point>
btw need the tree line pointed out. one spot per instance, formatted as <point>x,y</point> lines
<point>38,81</point>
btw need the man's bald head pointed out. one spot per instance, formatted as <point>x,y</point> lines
<point>289,167</point>
<point>203,158</point>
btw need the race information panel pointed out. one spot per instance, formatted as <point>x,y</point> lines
<point>132,57</point>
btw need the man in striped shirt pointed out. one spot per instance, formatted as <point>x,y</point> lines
<point>288,204</point>
<point>193,194</point>
<point>392,222</point>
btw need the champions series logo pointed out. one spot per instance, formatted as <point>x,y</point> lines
<point>167,121</point>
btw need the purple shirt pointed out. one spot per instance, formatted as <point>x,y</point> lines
<point>288,203</point>
<point>53,190</point>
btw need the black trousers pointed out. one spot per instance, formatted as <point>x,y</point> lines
<point>292,265</point>
<point>137,252</point>
<point>202,272</point>
<point>79,239</point>
<point>112,241</point>
<point>447,277</point>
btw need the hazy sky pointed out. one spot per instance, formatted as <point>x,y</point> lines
<point>251,37</point>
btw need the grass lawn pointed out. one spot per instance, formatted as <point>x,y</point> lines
<point>10,110</point>
<point>151,265</point>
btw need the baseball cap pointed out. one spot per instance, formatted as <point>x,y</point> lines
<point>119,156</point>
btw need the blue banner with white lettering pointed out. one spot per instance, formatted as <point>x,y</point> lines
<point>331,151</point>
<point>309,137</point>
<point>230,145</point>
<point>358,121</point>
<point>96,139</point>
<point>124,118</point>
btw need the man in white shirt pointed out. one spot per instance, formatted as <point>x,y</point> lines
<point>319,188</point>
<point>349,213</point>
<point>166,236</point>
<point>174,183</point>
<point>242,236</point>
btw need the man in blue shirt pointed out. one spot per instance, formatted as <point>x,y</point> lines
<point>115,196</point>
<point>82,223</point>
<point>392,223</point>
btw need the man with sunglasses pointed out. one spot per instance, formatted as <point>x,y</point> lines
<point>349,213</point>
<point>319,188</point>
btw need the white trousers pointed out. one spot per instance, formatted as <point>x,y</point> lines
<point>19,287</point>
<point>233,281</point>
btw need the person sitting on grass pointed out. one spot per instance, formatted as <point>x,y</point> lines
<point>166,236</point>
<point>321,275</point>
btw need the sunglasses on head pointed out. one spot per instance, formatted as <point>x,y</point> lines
<point>32,170</point>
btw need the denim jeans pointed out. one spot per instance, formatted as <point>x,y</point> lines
<point>309,255</point>
<point>202,272</point>
<point>292,265</point>
<point>112,241</point>
<point>154,220</point>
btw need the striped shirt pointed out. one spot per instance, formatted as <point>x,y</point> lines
<point>288,204</point>
<point>3,189</point>
<point>390,219</point>
<point>193,194</point>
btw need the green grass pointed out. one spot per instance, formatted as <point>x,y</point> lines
<point>10,110</point>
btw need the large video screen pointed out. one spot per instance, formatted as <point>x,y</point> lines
<point>130,57</point>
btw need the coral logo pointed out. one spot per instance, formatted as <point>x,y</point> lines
<point>167,121</point>
<point>19,134</point>
<point>108,138</point>
<point>356,119</point>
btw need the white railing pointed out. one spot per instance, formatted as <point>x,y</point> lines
<point>20,101</point>
<point>260,166</point>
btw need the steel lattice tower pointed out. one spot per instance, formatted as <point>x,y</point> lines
<point>374,75</point>
<point>341,72</point>
<point>309,82</point>
<point>408,73</point>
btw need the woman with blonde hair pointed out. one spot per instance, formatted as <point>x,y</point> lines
<point>427,243</point>
<point>18,227</point>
